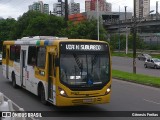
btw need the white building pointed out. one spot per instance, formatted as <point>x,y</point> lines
<point>142,8</point>
<point>108,7</point>
<point>74,8</point>
<point>39,6</point>
<point>46,8</point>
<point>59,8</point>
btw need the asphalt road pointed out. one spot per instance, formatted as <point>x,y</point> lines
<point>126,64</point>
<point>125,96</point>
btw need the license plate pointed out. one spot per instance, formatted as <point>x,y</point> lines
<point>87,100</point>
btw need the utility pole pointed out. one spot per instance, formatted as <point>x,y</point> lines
<point>97,20</point>
<point>134,39</point>
<point>126,30</point>
<point>119,44</point>
<point>66,10</point>
<point>156,10</point>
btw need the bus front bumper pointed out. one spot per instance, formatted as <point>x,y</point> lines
<point>67,101</point>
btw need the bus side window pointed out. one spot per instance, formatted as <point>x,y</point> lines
<point>41,57</point>
<point>32,55</point>
<point>4,52</point>
<point>12,53</point>
<point>17,53</point>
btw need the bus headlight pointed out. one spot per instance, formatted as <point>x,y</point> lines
<point>62,92</point>
<point>108,90</point>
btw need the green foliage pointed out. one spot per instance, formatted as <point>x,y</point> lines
<point>114,42</point>
<point>84,30</point>
<point>35,23</point>
<point>6,27</point>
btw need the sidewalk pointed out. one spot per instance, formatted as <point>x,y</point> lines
<point>6,107</point>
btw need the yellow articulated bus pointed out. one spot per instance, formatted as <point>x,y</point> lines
<point>62,71</point>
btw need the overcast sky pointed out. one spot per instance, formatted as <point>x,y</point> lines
<point>15,8</point>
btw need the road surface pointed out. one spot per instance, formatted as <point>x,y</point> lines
<point>126,64</point>
<point>125,96</point>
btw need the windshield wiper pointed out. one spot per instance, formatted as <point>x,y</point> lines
<point>93,62</point>
<point>79,64</point>
<point>87,66</point>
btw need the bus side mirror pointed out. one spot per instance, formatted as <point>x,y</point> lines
<point>56,62</point>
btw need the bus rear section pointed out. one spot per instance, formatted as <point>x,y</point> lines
<point>84,74</point>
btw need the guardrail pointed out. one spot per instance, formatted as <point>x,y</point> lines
<point>7,106</point>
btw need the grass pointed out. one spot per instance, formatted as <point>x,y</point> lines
<point>137,78</point>
<point>123,54</point>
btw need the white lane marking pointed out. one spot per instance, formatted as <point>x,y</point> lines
<point>12,102</point>
<point>17,106</point>
<point>152,101</point>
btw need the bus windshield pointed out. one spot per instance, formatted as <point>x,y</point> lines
<point>84,70</point>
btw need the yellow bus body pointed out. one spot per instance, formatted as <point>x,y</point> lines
<point>41,76</point>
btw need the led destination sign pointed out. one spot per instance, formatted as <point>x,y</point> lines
<point>83,47</point>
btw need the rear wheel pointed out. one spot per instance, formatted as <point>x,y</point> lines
<point>145,65</point>
<point>42,96</point>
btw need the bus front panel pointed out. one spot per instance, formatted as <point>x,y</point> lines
<point>85,73</point>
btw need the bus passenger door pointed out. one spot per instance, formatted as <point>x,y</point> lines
<point>23,68</point>
<point>7,64</point>
<point>51,78</point>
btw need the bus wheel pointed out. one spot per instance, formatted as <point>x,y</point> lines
<point>14,81</point>
<point>42,96</point>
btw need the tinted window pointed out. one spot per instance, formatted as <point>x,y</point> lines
<point>12,53</point>
<point>32,55</point>
<point>17,53</point>
<point>4,52</point>
<point>84,70</point>
<point>41,58</point>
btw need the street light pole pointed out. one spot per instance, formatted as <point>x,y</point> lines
<point>97,20</point>
<point>126,31</point>
<point>134,39</point>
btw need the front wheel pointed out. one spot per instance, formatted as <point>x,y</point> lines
<point>42,96</point>
<point>14,81</point>
<point>155,67</point>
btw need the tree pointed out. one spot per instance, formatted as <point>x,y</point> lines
<point>114,42</point>
<point>23,23</point>
<point>84,30</point>
<point>35,23</point>
<point>6,28</point>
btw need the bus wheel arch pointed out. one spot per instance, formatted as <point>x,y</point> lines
<point>41,93</point>
<point>13,77</point>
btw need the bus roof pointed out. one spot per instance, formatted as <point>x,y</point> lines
<point>45,40</point>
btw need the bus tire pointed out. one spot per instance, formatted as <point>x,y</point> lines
<point>14,80</point>
<point>42,96</point>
